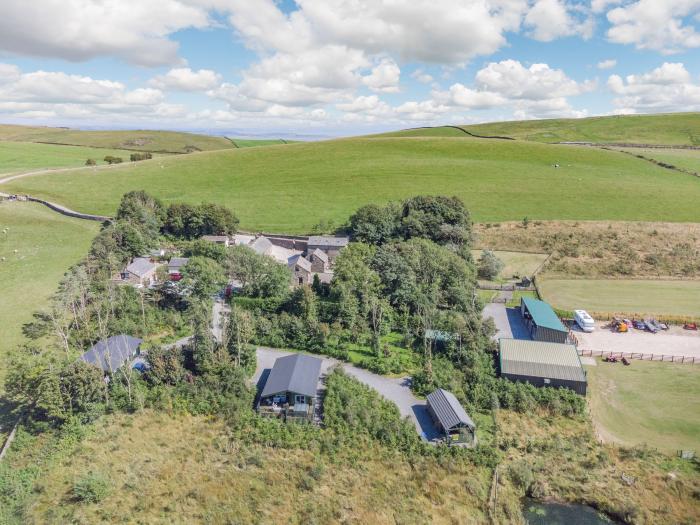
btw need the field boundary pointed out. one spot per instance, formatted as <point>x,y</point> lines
<point>666,358</point>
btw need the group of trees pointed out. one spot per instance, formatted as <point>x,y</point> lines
<point>111,159</point>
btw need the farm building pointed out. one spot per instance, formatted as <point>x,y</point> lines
<point>291,388</point>
<point>542,364</point>
<point>542,323</point>
<point>141,272</point>
<point>450,417</point>
<point>176,265</point>
<point>301,270</point>
<point>328,244</point>
<point>112,353</point>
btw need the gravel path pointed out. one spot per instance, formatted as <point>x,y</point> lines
<point>676,341</point>
<point>394,389</point>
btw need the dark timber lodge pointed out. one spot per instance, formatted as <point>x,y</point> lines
<point>449,416</point>
<point>542,323</point>
<point>291,389</point>
<point>542,364</point>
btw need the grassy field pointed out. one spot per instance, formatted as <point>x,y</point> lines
<point>653,403</point>
<point>516,263</point>
<point>251,143</point>
<point>38,247</point>
<point>293,188</point>
<point>686,159</point>
<point>439,131</point>
<point>140,140</point>
<point>666,129</point>
<point>681,298</point>
<point>25,156</point>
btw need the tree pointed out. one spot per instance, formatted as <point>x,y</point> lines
<point>165,366</point>
<point>489,265</point>
<point>142,211</point>
<point>109,159</point>
<point>202,277</point>
<point>200,247</point>
<point>82,387</point>
<point>240,332</point>
<point>374,224</point>
<point>258,275</point>
<point>444,220</point>
<point>190,222</point>
<point>303,303</point>
<point>90,162</point>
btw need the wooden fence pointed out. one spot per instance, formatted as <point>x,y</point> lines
<point>683,359</point>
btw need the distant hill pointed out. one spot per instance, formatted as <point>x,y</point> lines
<point>136,140</point>
<point>677,129</point>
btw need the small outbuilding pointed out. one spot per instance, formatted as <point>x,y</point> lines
<point>112,353</point>
<point>542,364</point>
<point>451,418</point>
<point>329,244</point>
<point>542,322</point>
<point>291,388</point>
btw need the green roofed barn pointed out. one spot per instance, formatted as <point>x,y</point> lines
<point>542,323</point>
<point>542,364</point>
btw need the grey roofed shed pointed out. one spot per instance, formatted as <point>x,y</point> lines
<point>299,260</point>
<point>177,262</point>
<point>296,373</point>
<point>328,240</point>
<point>111,353</point>
<point>320,254</point>
<point>542,364</point>
<point>448,410</point>
<point>140,266</point>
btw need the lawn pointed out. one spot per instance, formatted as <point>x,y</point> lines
<point>141,140</point>
<point>291,189</point>
<point>653,403</point>
<point>26,156</point>
<point>516,263</point>
<point>517,295</point>
<point>36,250</point>
<point>666,129</point>
<point>677,298</point>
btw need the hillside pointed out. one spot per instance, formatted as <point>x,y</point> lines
<point>295,187</point>
<point>137,140</point>
<point>681,129</point>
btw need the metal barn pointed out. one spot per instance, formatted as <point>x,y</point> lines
<point>542,323</point>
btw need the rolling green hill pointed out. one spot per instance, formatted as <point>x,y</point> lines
<point>664,129</point>
<point>293,188</point>
<point>139,140</point>
<point>252,143</point>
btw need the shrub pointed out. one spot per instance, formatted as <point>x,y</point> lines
<point>91,488</point>
<point>489,265</point>
<point>90,162</point>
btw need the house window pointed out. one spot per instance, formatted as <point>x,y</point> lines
<point>546,381</point>
<point>299,399</point>
<point>301,280</point>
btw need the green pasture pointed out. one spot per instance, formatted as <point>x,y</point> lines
<point>291,189</point>
<point>661,297</point>
<point>647,402</point>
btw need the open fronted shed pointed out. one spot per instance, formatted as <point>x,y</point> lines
<point>542,322</point>
<point>449,415</point>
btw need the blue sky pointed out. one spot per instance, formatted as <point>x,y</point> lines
<point>339,67</point>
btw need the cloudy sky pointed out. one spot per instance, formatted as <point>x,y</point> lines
<point>333,67</point>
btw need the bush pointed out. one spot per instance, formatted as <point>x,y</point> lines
<point>109,159</point>
<point>489,265</point>
<point>91,488</point>
<point>90,162</point>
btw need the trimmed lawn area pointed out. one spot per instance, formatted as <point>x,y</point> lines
<point>516,263</point>
<point>647,402</point>
<point>680,298</point>
<point>292,188</point>
<point>35,252</point>
<point>17,157</point>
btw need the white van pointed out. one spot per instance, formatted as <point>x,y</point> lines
<point>584,320</point>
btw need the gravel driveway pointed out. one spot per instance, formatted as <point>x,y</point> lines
<point>394,389</point>
<point>676,341</point>
<point>508,321</point>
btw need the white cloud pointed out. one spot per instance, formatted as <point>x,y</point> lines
<point>607,64</point>
<point>655,24</point>
<point>422,76</point>
<point>384,77</point>
<point>9,73</point>
<point>552,19</point>
<point>134,30</point>
<point>185,79</point>
<point>666,88</point>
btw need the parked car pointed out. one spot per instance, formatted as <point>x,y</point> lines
<point>650,327</point>
<point>639,325</point>
<point>585,321</point>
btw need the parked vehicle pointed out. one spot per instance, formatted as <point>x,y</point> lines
<point>618,325</point>
<point>690,326</point>
<point>610,359</point>
<point>650,327</point>
<point>626,361</point>
<point>585,321</point>
<point>639,325</point>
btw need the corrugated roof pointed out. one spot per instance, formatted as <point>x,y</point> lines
<point>540,359</point>
<point>111,353</point>
<point>448,410</point>
<point>543,315</point>
<point>328,240</point>
<point>296,373</point>
<point>140,266</point>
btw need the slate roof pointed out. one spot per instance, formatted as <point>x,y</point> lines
<point>296,373</point>
<point>320,254</point>
<point>328,240</point>
<point>543,315</point>
<point>177,262</point>
<point>140,266</point>
<point>300,261</point>
<point>111,353</point>
<point>540,359</point>
<point>261,245</point>
<point>448,410</point>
